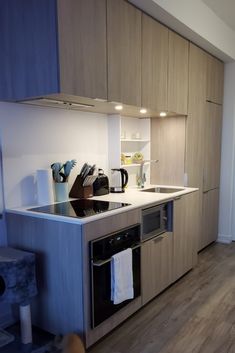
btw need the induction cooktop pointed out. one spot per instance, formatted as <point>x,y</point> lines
<point>80,208</point>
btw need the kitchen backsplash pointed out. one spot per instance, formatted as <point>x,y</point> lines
<point>33,138</point>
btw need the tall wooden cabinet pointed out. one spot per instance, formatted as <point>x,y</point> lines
<point>203,138</point>
<point>124,52</point>
<point>154,64</point>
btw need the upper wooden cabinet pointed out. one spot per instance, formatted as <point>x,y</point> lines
<point>178,74</point>
<point>82,47</point>
<point>154,64</point>
<point>215,80</point>
<point>52,47</point>
<point>124,52</point>
<point>212,146</point>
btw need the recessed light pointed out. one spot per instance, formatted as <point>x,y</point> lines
<point>163,114</point>
<point>118,107</point>
<point>143,110</point>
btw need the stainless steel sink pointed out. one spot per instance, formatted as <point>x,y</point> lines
<point>163,190</point>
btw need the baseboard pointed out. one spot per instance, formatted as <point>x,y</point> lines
<point>225,239</point>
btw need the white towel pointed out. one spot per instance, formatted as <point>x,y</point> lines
<point>122,277</point>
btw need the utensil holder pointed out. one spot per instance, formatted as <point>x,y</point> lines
<point>80,191</point>
<point>61,191</point>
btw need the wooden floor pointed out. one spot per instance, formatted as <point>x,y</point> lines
<point>196,314</point>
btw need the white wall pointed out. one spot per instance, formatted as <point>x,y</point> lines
<point>34,138</point>
<point>196,21</point>
<point>227,178</point>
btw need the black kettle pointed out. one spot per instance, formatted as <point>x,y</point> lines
<point>119,180</point>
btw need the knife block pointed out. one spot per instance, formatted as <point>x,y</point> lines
<point>80,191</point>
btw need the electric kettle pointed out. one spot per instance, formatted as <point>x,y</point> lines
<point>119,179</point>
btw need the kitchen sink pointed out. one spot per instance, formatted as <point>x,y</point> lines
<point>163,190</point>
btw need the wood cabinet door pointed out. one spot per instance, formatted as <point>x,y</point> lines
<point>194,146</point>
<point>124,52</point>
<point>185,233</point>
<point>212,146</point>
<point>82,47</point>
<point>154,64</point>
<point>178,74</point>
<point>210,214</point>
<point>156,265</point>
<point>215,80</point>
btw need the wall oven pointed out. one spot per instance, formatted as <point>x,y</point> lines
<point>101,251</point>
<point>156,220</point>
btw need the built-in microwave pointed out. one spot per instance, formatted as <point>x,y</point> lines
<point>156,220</point>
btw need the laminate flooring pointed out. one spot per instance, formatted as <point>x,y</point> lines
<point>194,315</point>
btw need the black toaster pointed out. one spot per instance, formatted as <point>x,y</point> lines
<point>101,184</point>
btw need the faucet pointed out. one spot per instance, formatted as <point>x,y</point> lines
<point>142,177</point>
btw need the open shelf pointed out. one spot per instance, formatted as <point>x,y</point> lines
<point>135,140</point>
<point>133,165</point>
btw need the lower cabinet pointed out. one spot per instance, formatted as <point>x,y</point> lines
<point>156,266</point>
<point>210,214</point>
<point>185,236</point>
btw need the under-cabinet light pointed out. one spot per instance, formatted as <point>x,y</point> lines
<point>162,114</point>
<point>143,110</point>
<point>118,107</point>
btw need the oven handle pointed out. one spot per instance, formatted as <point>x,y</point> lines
<point>103,262</point>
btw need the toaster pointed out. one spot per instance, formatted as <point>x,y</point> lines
<point>101,184</point>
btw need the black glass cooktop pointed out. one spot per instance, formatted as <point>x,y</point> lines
<point>79,208</point>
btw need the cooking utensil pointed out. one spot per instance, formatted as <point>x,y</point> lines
<point>56,168</point>
<point>68,167</point>
<point>89,180</point>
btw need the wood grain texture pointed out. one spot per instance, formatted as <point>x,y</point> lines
<point>28,63</point>
<point>215,79</point>
<point>194,154</point>
<point>185,236</point>
<point>154,64</point>
<point>82,47</point>
<point>168,146</point>
<point>124,52</point>
<point>58,307</point>
<point>212,146</point>
<point>210,217</point>
<point>195,315</point>
<point>156,265</point>
<point>178,74</point>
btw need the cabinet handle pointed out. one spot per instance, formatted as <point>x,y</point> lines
<point>157,239</point>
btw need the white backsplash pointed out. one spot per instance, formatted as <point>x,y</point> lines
<point>33,137</point>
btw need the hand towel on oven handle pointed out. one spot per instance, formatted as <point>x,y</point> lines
<point>122,276</point>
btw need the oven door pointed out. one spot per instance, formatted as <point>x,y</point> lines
<point>154,221</point>
<point>102,306</point>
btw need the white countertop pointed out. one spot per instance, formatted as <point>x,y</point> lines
<point>134,196</point>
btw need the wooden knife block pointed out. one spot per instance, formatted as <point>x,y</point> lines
<point>80,191</point>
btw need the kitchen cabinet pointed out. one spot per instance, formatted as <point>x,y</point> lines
<point>168,146</point>
<point>185,233</point>
<point>154,64</point>
<point>194,152</point>
<point>124,52</point>
<point>212,146</point>
<point>51,47</point>
<point>210,215</point>
<point>82,47</point>
<point>156,267</point>
<point>178,74</point>
<point>215,80</point>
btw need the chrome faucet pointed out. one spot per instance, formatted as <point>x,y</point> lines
<point>142,177</point>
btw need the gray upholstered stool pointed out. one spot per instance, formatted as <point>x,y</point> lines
<point>18,285</point>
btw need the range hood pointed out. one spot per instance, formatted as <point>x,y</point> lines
<point>70,102</point>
